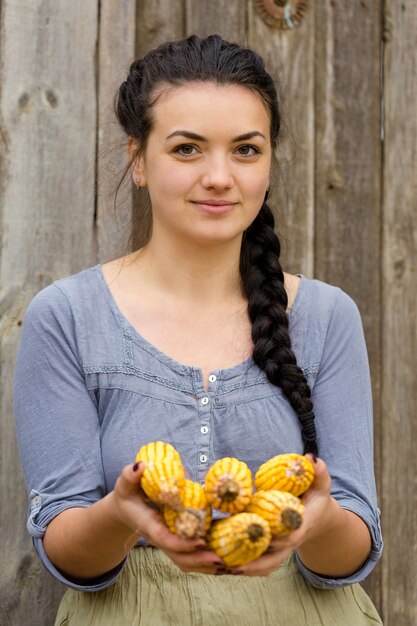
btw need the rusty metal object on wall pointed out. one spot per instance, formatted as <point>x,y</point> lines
<point>282,14</point>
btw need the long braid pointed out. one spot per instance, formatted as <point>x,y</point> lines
<point>263,282</point>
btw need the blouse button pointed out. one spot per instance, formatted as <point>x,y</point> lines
<point>212,378</point>
<point>203,458</point>
<point>36,500</point>
<point>204,400</point>
<point>204,430</point>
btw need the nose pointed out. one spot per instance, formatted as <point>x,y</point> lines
<point>217,173</point>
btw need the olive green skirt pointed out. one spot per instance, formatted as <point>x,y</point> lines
<point>152,591</point>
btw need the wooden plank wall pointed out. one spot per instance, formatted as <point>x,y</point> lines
<point>348,172</point>
<point>346,204</point>
<point>48,119</point>
<point>399,299</point>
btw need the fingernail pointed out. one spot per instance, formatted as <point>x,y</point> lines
<point>222,570</point>
<point>136,466</point>
<point>201,547</point>
<point>314,458</point>
<point>219,563</point>
<point>238,572</point>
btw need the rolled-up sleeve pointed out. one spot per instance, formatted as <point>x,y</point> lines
<point>57,423</point>
<point>342,400</point>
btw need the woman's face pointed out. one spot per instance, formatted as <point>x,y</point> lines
<point>207,161</point>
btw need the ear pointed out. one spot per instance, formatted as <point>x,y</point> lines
<point>137,171</point>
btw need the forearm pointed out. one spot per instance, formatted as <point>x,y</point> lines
<point>85,543</point>
<point>340,547</point>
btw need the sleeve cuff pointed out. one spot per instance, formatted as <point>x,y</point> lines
<point>94,584</point>
<point>324,582</point>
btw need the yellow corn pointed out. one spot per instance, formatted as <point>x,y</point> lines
<point>194,518</point>
<point>163,475</point>
<point>229,485</point>
<point>286,472</point>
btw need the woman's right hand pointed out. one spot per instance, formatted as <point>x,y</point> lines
<point>131,510</point>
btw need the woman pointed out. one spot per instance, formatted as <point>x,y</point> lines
<point>201,340</point>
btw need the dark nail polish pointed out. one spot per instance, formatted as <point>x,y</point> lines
<point>314,458</point>
<point>136,466</point>
<point>201,548</point>
<point>219,563</point>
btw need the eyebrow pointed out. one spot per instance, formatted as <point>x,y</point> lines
<point>190,135</point>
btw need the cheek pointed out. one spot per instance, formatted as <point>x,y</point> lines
<point>168,180</point>
<point>255,184</point>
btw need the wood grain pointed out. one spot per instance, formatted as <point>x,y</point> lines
<point>227,19</point>
<point>399,330</point>
<point>348,174</point>
<point>48,130</point>
<point>116,51</point>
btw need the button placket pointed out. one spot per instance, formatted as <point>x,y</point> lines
<point>203,452</point>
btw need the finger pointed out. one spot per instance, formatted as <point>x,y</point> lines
<point>206,562</point>
<point>264,565</point>
<point>129,479</point>
<point>162,538</point>
<point>321,475</point>
<point>282,543</point>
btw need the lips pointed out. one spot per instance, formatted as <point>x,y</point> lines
<point>214,202</point>
<point>214,207</point>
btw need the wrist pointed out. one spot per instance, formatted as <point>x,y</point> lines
<point>331,517</point>
<point>121,525</point>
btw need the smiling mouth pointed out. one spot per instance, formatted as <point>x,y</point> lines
<point>217,207</point>
<point>214,202</point>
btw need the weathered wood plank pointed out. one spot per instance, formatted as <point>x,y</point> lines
<point>116,52</point>
<point>289,56</point>
<point>158,21</point>
<point>227,19</point>
<point>348,173</point>
<point>48,127</point>
<point>399,330</point>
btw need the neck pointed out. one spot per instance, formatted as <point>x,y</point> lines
<point>192,272</point>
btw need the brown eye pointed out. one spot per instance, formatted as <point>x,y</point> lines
<point>248,150</point>
<point>185,149</point>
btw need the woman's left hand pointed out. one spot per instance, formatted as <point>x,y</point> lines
<point>316,501</point>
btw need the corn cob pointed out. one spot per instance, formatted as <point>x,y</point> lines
<point>240,538</point>
<point>229,485</point>
<point>286,472</point>
<point>283,511</point>
<point>193,520</point>
<point>163,475</point>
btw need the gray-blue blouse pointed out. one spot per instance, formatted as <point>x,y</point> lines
<point>89,391</point>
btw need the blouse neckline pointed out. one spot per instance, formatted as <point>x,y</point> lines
<point>226,373</point>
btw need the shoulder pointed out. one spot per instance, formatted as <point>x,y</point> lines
<point>322,315</point>
<point>325,300</point>
<point>326,297</point>
<point>55,302</point>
